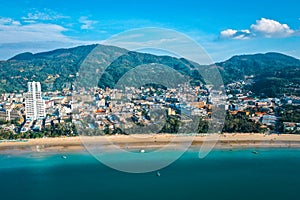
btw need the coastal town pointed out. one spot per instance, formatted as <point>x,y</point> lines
<point>112,111</point>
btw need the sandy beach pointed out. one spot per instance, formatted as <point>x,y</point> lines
<point>155,141</point>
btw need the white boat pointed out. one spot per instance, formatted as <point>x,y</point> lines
<point>158,173</point>
<point>254,152</point>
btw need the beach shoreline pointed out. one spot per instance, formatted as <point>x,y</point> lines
<point>152,141</point>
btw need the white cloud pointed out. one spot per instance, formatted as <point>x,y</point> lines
<point>86,23</point>
<point>16,32</point>
<point>18,37</point>
<point>8,21</point>
<point>37,16</point>
<point>45,15</point>
<point>235,34</point>
<point>271,28</point>
<point>228,33</point>
<point>262,28</point>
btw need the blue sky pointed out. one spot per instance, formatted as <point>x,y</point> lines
<point>222,28</point>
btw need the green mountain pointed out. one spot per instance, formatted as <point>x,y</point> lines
<point>131,60</point>
<point>273,73</point>
<point>238,67</point>
<point>53,68</point>
<point>56,69</point>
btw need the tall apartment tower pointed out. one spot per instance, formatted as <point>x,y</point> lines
<point>34,104</point>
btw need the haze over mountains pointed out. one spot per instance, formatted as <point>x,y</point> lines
<point>56,69</point>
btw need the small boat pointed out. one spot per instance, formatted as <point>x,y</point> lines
<point>254,152</point>
<point>142,151</point>
<point>158,173</point>
<point>38,148</point>
<point>64,157</point>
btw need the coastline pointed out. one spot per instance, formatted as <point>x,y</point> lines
<point>153,141</point>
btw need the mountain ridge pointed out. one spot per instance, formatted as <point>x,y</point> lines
<point>15,57</point>
<point>57,67</point>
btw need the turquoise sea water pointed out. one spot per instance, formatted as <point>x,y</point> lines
<point>239,174</point>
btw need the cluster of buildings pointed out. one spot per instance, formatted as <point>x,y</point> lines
<point>98,108</point>
<point>111,109</point>
<point>242,100</point>
<point>291,127</point>
<point>32,110</point>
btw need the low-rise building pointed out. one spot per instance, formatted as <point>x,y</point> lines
<point>291,127</point>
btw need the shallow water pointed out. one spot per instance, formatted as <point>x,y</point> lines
<point>239,174</point>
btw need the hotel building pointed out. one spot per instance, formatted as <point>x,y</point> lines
<point>34,104</point>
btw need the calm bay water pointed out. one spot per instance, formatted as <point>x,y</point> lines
<point>239,174</point>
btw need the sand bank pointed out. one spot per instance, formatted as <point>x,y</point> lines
<point>152,141</point>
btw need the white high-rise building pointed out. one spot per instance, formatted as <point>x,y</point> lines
<point>34,104</point>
